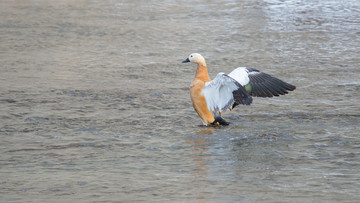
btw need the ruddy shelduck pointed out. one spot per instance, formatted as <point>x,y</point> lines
<point>211,97</point>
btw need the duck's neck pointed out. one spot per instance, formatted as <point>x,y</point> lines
<point>202,73</point>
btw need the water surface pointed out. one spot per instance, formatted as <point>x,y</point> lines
<point>95,106</point>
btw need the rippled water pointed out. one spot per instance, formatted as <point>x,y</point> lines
<point>95,106</point>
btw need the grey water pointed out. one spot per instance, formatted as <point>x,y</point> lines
<point>95,105</point>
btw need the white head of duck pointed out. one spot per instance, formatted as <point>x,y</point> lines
<point>195,58</point>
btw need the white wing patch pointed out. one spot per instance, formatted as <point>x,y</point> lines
<point>218,93</point>
<point>241,75</point>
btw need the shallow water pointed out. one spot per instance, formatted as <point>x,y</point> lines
<point>95,107</point>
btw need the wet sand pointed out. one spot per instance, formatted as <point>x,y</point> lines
<point>95,105</point>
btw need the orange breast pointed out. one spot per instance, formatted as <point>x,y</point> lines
<point>199,102</point>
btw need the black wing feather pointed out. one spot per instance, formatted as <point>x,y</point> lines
<point>241,96</point>
<point>265,85</point>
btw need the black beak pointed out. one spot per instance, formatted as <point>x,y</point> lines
<point>186,60</point>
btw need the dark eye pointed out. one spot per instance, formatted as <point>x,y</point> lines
<point>191,56</point>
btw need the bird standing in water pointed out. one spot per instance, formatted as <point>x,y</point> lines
<point>211,97</point>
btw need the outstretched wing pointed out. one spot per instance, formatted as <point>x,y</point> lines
<point>222,92</point>
<point>260,84</point>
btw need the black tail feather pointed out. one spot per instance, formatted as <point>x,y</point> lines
<point>220,121</point>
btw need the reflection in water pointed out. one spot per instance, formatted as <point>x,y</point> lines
<point>199,150</point>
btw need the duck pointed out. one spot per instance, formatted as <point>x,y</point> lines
<point>226,91</point>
